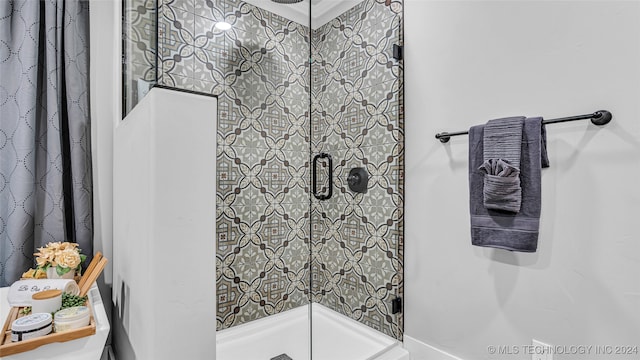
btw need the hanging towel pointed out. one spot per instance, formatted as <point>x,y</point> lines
<point>500,229</point>
<point>502,142</point>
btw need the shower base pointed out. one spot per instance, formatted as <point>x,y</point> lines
<point>335,337</point>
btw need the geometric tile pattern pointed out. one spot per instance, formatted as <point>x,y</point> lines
<point>139,48</point>
<point>261,77</point>
<point>266,223</point>
<point>357,97</point>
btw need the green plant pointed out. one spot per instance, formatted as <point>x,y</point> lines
<point>70,300</point>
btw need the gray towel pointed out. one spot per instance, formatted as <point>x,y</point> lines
<point>500,229</point>
<point>502,142</point>
<point>502,189</point>
<point>503,139</point>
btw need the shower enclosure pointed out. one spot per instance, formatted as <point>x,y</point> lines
<point>309,164</point>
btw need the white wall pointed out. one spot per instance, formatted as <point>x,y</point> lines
<point>164,233</point>
<point>105,113</point>
<point>471,61</point>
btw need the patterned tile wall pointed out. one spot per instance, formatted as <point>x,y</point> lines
<point>260,71</point>
<point>357,116</point>
<point>139,46</point>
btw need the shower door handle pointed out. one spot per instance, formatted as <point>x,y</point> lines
<point>315,176</point>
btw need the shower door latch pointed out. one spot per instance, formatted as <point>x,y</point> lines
<point>398,52</point>
<point>328,195</point>
<point>396,305</point>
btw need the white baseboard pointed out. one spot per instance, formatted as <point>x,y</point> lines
<point>422,351</point>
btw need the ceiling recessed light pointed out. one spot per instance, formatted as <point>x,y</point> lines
<point>223,25</point>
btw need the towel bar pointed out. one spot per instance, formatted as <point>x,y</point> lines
<point>600,117</point>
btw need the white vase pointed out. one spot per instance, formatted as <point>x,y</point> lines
<point>53,274</point>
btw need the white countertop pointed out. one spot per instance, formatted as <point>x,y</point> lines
<point>86,348</point>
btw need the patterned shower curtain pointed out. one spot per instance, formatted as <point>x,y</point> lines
<point>45,155</point>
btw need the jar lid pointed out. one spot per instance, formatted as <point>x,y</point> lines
<point>47,294</point>
<point>31,322</point>
<point>72,313</point>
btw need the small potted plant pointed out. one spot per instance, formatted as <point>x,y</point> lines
<point>60,260</point>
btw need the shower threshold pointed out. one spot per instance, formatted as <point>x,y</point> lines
<point>335,337</point>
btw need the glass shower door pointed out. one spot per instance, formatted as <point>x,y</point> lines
<point>139,50</point>
<point>309,160</point>
<point>259,69</point>
<point>357,233</point>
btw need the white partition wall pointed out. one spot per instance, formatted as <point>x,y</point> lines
<point>164,227</point>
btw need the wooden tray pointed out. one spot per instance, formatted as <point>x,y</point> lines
<point>7,347</point>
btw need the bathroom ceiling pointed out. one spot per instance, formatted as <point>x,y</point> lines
<point>322,10</point>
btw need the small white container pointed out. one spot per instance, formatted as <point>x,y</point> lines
<point>31,326</point>
<point>48,301</point>
<point>71,318</point>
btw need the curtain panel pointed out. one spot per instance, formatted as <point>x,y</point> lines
<point>45,149</point>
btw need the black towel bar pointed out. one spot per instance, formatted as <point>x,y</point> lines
<point>600,117</point>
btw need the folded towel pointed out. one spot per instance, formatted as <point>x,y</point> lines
<point>500,229</point>
<point>502,142</point>
<point>502,189</point>
<point>21,291</point>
